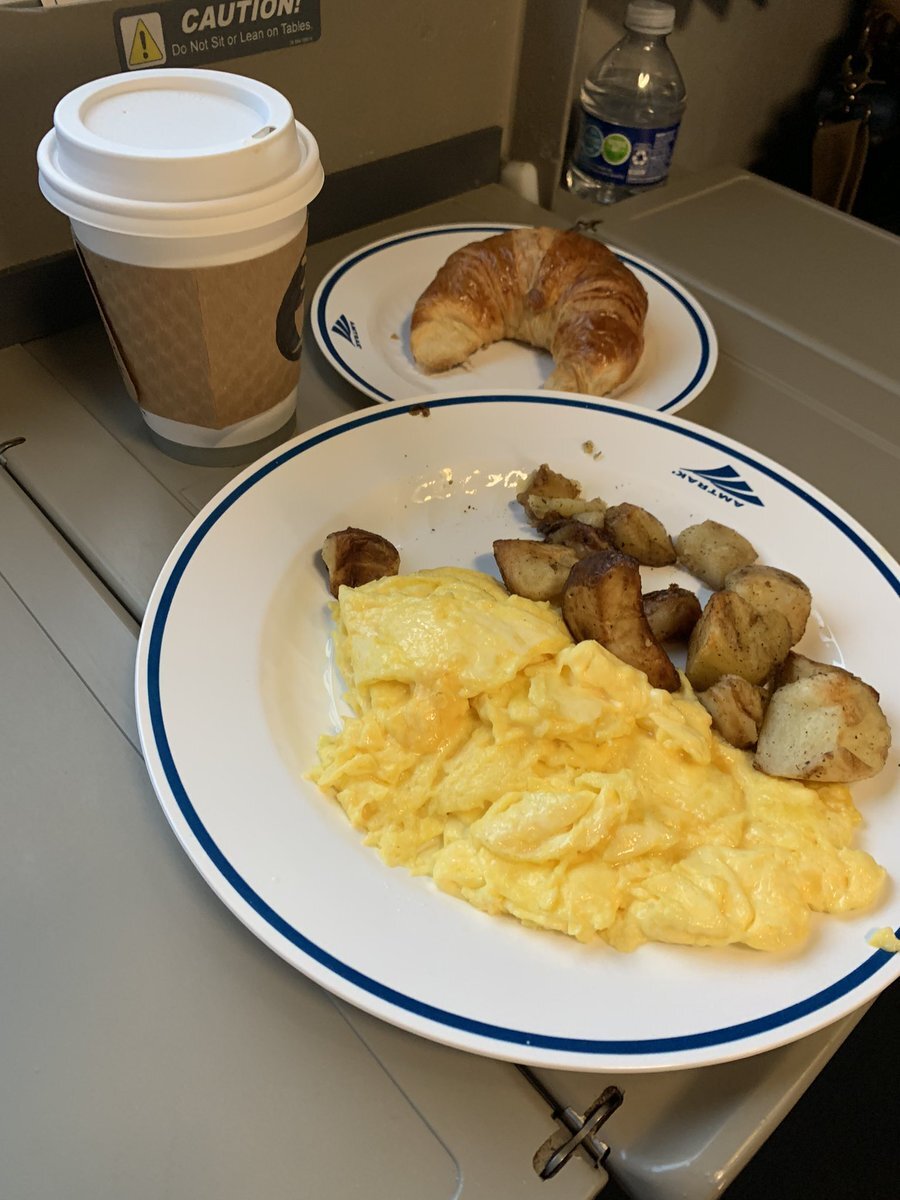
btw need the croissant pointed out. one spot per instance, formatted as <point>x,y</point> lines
<point>558,290</point>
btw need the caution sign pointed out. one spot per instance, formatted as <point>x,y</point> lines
<point>192,33</point>
<point>143,37</point>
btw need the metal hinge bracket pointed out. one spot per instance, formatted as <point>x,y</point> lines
<point>576,1132</point>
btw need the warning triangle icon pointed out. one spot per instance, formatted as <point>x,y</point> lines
<point>144,49</point>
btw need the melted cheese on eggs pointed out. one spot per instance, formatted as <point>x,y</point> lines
<point>548,780</point>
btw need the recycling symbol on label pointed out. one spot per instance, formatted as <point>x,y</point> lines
<point>640,157</point>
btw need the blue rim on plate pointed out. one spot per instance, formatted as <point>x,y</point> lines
<point>510,1036</point>
<point>338,359</point>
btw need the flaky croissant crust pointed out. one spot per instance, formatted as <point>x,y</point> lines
<point>558,290</point>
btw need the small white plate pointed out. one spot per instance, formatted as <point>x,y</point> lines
<point>361,313</point>
<point>234,686</point>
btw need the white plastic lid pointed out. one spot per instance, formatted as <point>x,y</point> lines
<point>166,144</point>
<point>650,16</point>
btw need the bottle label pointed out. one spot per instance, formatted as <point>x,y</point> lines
<point>624,154</point>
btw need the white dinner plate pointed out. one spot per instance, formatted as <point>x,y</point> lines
<point>361,313</point>
<point>235,684</point>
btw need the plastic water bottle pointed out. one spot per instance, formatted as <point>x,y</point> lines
<point>631,106</point>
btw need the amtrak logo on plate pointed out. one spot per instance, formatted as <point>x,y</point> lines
<point>345,328</point>
<point>723,483</point>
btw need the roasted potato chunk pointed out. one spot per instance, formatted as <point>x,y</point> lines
<point>825,727</point>
<point>535,570</point>
<point>539,508</point>
<point>602,601</point>
<point>798,666</point>
<point>672,613</point>
<point>768,587</point>
<point>712,551</point>
<point>547,482</point>
<point>732,638</point>
<point>584,539</point>
<point>355,556</point>
<point>736,707</point>
<point>637,532</point>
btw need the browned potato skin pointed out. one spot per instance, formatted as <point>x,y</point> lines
<point>732,638</point>
<point>737,708</point>
<point>712,551</point>
<point>825,727</point>
<point>547,482</point>
<point>356,556</point>
<point>582,538</point>
<point>770,588</point>
<point>671,613</point>
<point>798,666</point>
<point>535,570</point>
<point>637,532</point>
<point>602,602</point>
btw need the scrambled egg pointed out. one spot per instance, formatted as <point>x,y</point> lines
<point>884,939</point>
<point>548,780</point>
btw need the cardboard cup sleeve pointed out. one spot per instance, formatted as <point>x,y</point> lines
<point>208,346</point>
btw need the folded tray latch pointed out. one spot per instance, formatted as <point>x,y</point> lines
<point>576,1132</point>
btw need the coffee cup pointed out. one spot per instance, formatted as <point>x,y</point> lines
<point>187,194</point>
